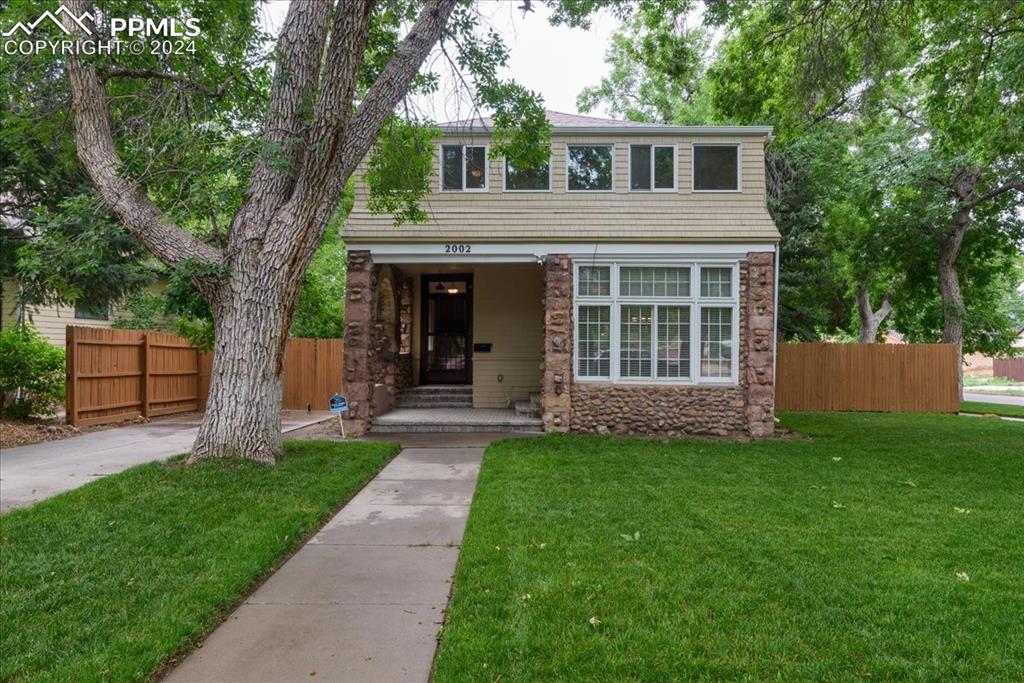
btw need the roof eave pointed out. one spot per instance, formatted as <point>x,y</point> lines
<point>627,130</point>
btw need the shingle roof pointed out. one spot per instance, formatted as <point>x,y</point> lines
<point>563,122</point>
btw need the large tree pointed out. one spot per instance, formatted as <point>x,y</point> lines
<point>342,68</point>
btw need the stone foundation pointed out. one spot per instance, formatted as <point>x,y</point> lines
<point>659,410</point>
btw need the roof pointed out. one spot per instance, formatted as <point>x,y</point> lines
<point>562,122</point>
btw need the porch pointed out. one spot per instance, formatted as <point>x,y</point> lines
<point>448,346</point>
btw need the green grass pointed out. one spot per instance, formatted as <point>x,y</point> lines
<point>1005,410</point>
<point>107,581</point>
<point>830,558</point>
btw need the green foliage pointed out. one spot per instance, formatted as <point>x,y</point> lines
<point>143,309</point>
<point>111,579</point>
<point>398,170</point>
<point>320,312</point>
<point>31,372</point>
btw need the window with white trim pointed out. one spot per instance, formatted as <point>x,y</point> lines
<point>716,168</point>
<point>657,323</point>
<point>652,167</point>
<point>589,168</point>
<point>463,167</point>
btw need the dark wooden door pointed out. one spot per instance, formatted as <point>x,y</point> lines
<point>446,314</point>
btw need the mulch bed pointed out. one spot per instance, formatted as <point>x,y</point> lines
<point>24,432</point>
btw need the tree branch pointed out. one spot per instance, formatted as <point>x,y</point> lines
<point>390,87</point>
<point>995,192</point>
<point>96,150</point>
<point>160,75</point>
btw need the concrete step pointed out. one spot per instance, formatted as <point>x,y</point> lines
<point>526,408</point>
<point>430,403</point>
<point>400,428</point>
<point>432,389</point>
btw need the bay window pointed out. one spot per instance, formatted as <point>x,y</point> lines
<point>655,323</point>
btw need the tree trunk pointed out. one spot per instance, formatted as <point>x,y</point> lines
<point>251,323</point>
<point>949,289</point>
<point>870,320</point>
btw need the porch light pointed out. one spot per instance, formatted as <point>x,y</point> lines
<point>476,173</point>
<point>453,290</point>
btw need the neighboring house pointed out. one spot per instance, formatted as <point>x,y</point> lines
<point>630,282</point>
<point>49,320</point>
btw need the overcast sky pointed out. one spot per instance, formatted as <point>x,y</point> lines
<point>557,62</point>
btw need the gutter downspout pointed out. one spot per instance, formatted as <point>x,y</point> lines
<point>775,312</point>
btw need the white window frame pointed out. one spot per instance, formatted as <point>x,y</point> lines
<point>610,145</point>
<point>614,301</point>
<point>504,177</point>
<point>487,167</point>
<point>653,146</point>
<point>739,166</point>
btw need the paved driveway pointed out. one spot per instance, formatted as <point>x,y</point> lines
<point>1004,399</point>
<point>29,474</point>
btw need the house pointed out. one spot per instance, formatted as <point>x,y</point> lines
<point>628,286</point>
<point>50,320</point>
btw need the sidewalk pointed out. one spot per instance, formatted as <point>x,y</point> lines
<point>32,473</point>
<point>364,599</point>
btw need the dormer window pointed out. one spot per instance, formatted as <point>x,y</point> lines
<point>652,167</point>
<point>716,168</point>
<point>463,167</point>
<point>589,168</point>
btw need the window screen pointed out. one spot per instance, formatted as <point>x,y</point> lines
<point>716,282</point>
<point>589,167</point>
<point>594,330</point>
<point>635,341</point>
<point>715,167</point>
<point>595,281</point>
<point>519,179</point>
<point>673,341</point>
<point>652,167</point>
<point>476,168</point>
<point>716,342</point>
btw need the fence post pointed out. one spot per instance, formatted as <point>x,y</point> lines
<point>70,347</point>
<point>145,374</point>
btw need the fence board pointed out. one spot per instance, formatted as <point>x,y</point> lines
<point>867,377</point>
<point>1010,368</point>
<point>115,375</point>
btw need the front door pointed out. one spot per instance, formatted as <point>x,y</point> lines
<point>446,332</point>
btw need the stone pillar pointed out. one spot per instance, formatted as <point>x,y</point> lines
<point>759,341</point>
<point>556,406</point>
<point>359,313</point>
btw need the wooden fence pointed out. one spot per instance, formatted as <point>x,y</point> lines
<point>1010,368</point>
<point>115,375</point>
<point>916,378</point>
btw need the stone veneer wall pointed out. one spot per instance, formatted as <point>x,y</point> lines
<point>556,365</point>
<point>743,410</point>
<point>359,311</point>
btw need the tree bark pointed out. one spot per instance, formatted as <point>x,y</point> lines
<point>253,283</point>
<point>949,289</point>
<point>870,320</point>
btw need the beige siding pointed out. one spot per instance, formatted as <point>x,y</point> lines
<point>620,215</point>
<point>49,320</point>
<point>508,313</point>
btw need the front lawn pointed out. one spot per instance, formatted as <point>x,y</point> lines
<point>1004,409</point>
<point>881,547</point>
<point>107,581</point>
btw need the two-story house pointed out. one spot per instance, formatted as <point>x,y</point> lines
<point>628,286</point>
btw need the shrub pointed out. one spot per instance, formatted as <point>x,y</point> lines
<point>31,372</point>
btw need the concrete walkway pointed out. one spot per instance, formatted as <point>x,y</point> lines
<point>32,473</point>
<point>364,599</point>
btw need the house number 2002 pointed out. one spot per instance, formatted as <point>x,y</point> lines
<point>457,248</point>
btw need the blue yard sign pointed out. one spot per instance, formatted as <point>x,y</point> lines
<point>339,404</point>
